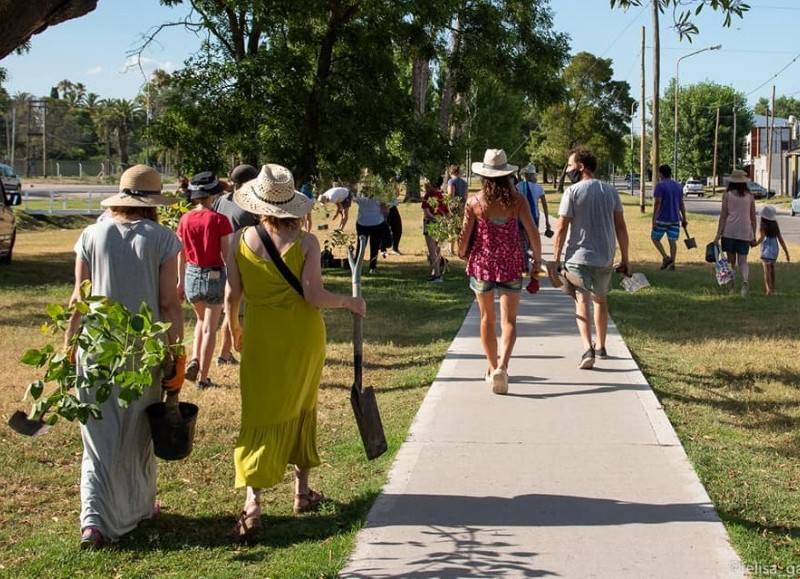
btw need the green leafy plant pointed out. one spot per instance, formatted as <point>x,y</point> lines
<point>170,215</point>
<point>117,349</point>
<point>341,239</point>
<point>445,227</point>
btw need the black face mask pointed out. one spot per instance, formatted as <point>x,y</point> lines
<point>574,176</point>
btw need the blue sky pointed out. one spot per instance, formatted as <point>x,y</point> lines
<point>756,53</point>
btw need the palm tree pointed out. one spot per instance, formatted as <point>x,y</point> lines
<point>122,116</point>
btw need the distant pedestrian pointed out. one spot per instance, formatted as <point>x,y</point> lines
<point>495,260</point>
<point>394,220</point>
<point>343,198</point>
<point>308,191</point>
<point>457,188</point>
<point>669,215</point>
<point>737,226</point>
<point>205,236</point>
<point>591,212</point>
<point>371,221</point>
<point>433,206</point>
<point>239,218</point>
<point>769,238</point>
<point>534,193</point>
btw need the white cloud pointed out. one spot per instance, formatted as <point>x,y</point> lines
<point>137,64</point>
<point>95,70</point>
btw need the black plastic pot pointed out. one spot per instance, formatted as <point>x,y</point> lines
<point>172,434</point>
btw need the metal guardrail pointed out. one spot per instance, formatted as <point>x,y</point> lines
<point>58,200</point>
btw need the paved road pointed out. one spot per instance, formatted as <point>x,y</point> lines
<point>790,226</point>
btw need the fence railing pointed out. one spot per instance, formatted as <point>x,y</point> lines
<point>63,203</point>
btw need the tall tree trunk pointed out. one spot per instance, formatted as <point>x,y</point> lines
<point>450,73</point>
<point>310,132</point>
<point>420,79</point>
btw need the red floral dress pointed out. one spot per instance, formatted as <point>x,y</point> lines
<point>496,252</point>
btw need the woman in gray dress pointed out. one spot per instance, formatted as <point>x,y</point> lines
<point>131,259</point>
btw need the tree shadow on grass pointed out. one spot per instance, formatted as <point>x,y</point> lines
<point>175,532</point>
<point>51,269</point>
<point>756,527</point>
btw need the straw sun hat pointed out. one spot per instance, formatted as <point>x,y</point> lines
<point>738,176</point>
<point>272,193</point>
<point>139,186</point>
<point>495,164</point>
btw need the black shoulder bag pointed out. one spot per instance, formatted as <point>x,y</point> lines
<point>278,260</point>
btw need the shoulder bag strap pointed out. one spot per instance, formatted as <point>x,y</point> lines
<point>278,260</point>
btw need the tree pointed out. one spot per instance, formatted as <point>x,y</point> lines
<point>21,20</point>
<point>697,108</point>
<point>594,112</point>
<point>784,107</point>
<point>123,117</point>
<point>683,24</point>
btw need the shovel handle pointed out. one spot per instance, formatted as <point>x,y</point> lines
<point>356,260</point>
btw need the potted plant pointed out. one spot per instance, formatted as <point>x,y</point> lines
<point>118,349</point>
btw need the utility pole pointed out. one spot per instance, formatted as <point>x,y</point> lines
<point>642,146</point>
<point>44,138</point>
<point>656,91</point>
<point>733,164</point>
<point>714,168</point>
<point>770,139</point>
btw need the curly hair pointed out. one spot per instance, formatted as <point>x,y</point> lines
<point>498,189</point>
<point>584,156</point>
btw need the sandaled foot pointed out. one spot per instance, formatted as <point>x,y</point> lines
<point>91,538</point>
<point>192,369</point>
<point>307,502</point>
<point>248,525</point>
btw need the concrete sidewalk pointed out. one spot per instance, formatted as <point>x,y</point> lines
<point>574,473</point>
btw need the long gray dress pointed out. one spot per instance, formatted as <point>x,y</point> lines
<point>118,471</point>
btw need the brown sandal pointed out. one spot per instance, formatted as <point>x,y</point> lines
<point>307,502</point>
<point>248,527</point>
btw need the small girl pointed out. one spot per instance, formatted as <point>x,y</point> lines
<point>769,237</point>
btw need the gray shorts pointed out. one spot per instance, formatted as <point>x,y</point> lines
<point>205,284</point>
<point>481,286</point>
<point>596,280</point>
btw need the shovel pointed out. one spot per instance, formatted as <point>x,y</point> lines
<point>362,399</point>
<point>689,241</point>
<point>19,422</point>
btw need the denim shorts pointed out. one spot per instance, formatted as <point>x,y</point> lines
<point>595,279</point>
<point>482,286</point>
<point>205,284</point>
<point>737,246</point>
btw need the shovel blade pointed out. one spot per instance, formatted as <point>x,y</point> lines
<point>690,243</point>
<point>19,422</point>
<point>368,418</point>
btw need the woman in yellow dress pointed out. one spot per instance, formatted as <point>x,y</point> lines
<point>282,343</point>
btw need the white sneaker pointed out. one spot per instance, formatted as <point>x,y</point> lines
<point>500,381</point>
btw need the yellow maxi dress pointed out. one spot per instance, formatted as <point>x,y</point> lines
<point>283,351</point>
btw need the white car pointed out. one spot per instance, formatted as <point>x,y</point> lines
<point>10,179</point>
<point>695,187</point>
<point>8,224</point>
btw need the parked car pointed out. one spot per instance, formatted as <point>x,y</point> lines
<point>759,192</point>
<point>694,187</point>
<point>795,206</point>
<point>8,223</point>
<point>10,179</point>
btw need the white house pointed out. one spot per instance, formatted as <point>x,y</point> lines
<point>768,167</point>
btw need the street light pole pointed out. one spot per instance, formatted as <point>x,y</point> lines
<point>677,85</point>
<point>630,175</point>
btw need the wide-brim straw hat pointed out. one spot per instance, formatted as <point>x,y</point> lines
<point>139,186</point>
<point>768,213</point>
<point>738,176</point>
<point>273,193</point>
<point>495,164</point>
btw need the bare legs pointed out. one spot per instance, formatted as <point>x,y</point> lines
<point>205,335</point>
<point>434,255</point>
<point>673,250</point>
<point>769,277</point>
<point>600,315</point>
<point>509,306</point>
<point>737,260</point>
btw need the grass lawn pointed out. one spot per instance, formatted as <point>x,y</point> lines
<point>724,367</point>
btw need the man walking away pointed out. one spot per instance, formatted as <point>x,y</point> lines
<point>591,211</point>
<point>669,214</point>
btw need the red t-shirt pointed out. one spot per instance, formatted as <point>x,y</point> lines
<point>201,231</point>
<point>441,206</point>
